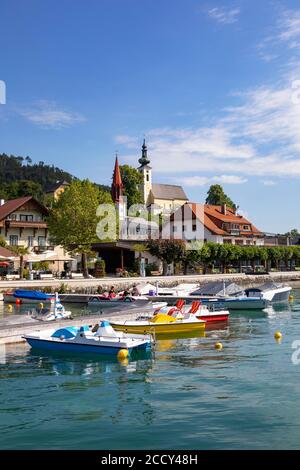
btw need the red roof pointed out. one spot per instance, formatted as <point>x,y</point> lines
<point>214,218</point>
<point>117,185</point>
<point>14,204</point>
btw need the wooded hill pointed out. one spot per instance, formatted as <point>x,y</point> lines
<point>20,177</point>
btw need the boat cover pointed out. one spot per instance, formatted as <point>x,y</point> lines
<point>32,294</point>
<point>217,288</point>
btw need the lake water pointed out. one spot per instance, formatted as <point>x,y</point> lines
<point>186,396</point>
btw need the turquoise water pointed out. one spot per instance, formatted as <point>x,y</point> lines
<point>187,396</point>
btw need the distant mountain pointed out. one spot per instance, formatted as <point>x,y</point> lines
<point>20,177</point>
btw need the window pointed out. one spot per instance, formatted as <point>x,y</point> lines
<point>174,228</point>
<point>239,242</point>
<point>42,241</point>
<point>147,176</point>
<point>246,227</point>
<point>30,241</point>
<point>235,226</point>
<point>12,217</point>
<point>194,228</point>
<point>184,228</point>
<point>227,241</point>
<point>13,240</point>
<point>26,218</point>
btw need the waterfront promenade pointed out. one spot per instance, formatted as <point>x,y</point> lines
<point>164,281</point>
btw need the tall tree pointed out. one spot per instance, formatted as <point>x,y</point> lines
<point>169,251</point>
<point>217,197</point>
<point>72,221</point>
<point>131,179</point>
<point>20,251</point>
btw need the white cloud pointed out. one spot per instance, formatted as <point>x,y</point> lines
<point>269,183</point>
<point>260,136</point>
<point>223,15</point>
<point>285,33</point>
<point>194,181</point>
<point>48,115</point>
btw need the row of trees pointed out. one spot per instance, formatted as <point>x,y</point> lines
<point>210,254</point>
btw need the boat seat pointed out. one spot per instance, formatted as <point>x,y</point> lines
<point>180,304</point>
<point>195,306</point>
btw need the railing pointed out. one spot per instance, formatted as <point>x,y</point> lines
<point>42,248</point>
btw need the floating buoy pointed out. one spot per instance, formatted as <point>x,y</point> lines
<point>291,298</point>
<point>123,362</point>
<point>277,335</point>
<point>122,354</point>
<point>18,301</point>
<point>41,305</point>
<point>10,308</point>
<point>219,346</point>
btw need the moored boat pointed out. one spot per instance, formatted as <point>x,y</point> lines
<point>81,339</point>
<point>28,297</point>
<point>123,302</point>
<point>202,312</point>
<point>58,312</point>
<point>160,324</point>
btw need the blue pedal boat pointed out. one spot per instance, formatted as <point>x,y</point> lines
<point>81,339</point>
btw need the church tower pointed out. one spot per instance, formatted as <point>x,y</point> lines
<point>117,191</point>
<point>146,171</point>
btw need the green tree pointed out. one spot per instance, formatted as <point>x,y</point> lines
<point>169,251</point>
<point>217,197</point>
<point>293,233</point>
<point>72,221</point>
<point>3,242</point>
<point>20,251</point>
<point>131,179</point>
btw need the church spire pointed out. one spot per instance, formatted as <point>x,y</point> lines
<point>144,160</point>
<point>117,185</point>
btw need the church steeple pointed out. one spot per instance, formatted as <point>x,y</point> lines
<point>117,185</point>
<point>144,160</point>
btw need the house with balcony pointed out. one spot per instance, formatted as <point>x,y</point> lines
<point>22,223</point>
<point>219,224</point>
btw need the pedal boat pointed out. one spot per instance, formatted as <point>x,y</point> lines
<point>160,324</point>
<point>82,340</point>
<point>51,314</point>
<point>202,312</point>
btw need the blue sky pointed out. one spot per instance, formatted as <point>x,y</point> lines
<point>211,84</point>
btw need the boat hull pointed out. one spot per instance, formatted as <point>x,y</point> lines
<point>214,318</point>
<point>246,304</point>
<point>158,328</point>
<point>9,298</point>
<point>81,348</point>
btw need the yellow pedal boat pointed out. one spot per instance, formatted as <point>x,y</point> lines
<point>160,324</point>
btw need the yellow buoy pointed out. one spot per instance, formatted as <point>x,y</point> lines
<point>10,308</point>
<point>277,335</point>
<point>219,346</point>
<point>122,354</point>
<point>41,305</point>
<point>291,298</point>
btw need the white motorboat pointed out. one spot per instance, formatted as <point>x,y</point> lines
<point>271,292</point>
<point>81,339</point>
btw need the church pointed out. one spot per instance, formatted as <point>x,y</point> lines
<point>161,198</point>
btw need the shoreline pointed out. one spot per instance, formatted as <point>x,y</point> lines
<point>90,285</point>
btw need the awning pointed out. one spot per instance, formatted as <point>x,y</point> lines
<point>4,264</point>
<point>48,255</point>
